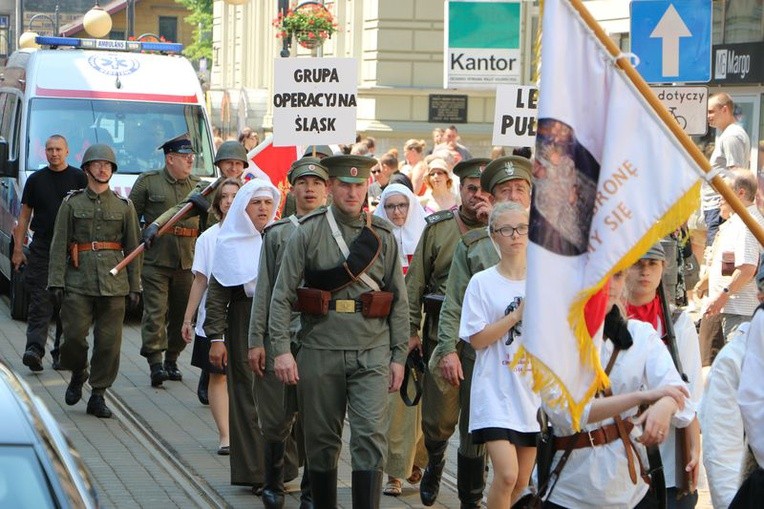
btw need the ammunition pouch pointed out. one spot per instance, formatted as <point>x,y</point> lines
<point>312,301</point>
<point>376,304</point>
<point>363,252</point>
<point>74,255</point>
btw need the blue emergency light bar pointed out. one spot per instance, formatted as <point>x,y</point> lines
<point>107,44</point>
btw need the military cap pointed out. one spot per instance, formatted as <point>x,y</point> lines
<point>503,169</point>
<point>232,151</point>
<point>350,169</point>
<point>305,167</point>
<point>656,252</point>
<point>471,168</point>
<point>321,151</point>
<point>180,145</point>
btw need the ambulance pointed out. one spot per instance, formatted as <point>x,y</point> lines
<point>130,95</point>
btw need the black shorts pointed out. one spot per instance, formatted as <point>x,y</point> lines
<point>200,357</point>
<point>516,438</point>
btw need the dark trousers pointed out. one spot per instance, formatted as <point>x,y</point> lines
<point>713,220</point>
<point>41,309</point>
<point>165,295</point>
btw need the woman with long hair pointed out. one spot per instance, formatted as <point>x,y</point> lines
<point>440,182</point>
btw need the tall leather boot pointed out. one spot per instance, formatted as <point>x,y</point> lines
<point>273,487</point>
<point>367,489</point>
<point>470,481</point>
<point>429,486</point>
<point>306,498</point>
<point>323,487</point>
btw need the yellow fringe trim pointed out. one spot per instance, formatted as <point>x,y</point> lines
<point>544,379</point>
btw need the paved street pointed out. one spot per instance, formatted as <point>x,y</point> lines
<point>159,449</point>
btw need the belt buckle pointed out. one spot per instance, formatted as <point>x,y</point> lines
<point>176,231</point>
<point>344,306</point>
<point>93,246</point>
<point>591,438</point>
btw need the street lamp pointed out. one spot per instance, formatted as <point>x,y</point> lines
<point>97,22</point>
<point>27,39</point>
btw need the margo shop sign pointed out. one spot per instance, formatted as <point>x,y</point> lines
<point>738,63</point>
<point>314,101</point>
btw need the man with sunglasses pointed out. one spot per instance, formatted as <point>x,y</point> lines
<point>506,179</point>
<point>166,275</point>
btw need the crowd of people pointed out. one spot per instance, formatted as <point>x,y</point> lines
<point>329,312</point>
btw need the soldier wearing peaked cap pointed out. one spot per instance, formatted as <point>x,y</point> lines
<point>277,403</point>
<point>317,151</point>
<point>504,179</point>
<point>166,273</point>
<point>353,337</point>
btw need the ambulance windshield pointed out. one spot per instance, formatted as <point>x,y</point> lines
<point>134,130</point>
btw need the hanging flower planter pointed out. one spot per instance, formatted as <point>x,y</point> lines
<point>310,23</point>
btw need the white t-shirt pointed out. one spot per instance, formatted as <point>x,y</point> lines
<point>499,397</point>
<point>734,236</point>
<point>203,255</point>
<point>732,148</point>
<point>750,395</point>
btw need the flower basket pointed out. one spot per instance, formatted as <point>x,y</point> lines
<point>310,23</point>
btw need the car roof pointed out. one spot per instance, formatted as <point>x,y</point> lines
<point>15,428</point>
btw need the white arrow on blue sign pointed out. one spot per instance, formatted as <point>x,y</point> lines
<point>672,40</point>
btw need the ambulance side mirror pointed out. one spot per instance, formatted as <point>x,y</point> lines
<point>7,168</point>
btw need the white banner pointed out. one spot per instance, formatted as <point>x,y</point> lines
<point>514,123</point>
<point>314,101</point>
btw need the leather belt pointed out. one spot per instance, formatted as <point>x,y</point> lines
<point>99,246</point>
<point>179,231</point>
<point>600,436</point>
<point>345,305</point>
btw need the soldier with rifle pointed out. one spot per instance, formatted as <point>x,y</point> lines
<point>647,302</point>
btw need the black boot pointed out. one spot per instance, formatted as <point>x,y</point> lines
<point>306,498</point>
<point>367,489</point>
<point>202,388</point>
<point>429,486</point>
<point>158,375</point>
<point>273,488</point>
<point>97,406</point>
<point>323,487</point>
<point>173,373</point>
<point>470,481</point>
<point>74,390</point>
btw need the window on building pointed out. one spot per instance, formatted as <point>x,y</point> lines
<point>168,28</point>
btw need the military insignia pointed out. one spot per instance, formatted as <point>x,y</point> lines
<point>481,168</point>
<point>509,169</point>
<point>312,167</point>
<point>353,171</point>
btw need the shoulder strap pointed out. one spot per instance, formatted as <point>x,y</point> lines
<point>340,240</point>
<point>293,219</point>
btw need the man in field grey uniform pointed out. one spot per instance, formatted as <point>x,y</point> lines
<point>354,331</point>
<point>276,402</point>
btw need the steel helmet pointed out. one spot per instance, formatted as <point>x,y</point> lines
<point>232,150</point>
<point>100,152</point>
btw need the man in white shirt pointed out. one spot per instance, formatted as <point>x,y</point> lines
<point>732,148</point>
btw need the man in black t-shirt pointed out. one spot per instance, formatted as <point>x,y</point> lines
<point>43,193</point>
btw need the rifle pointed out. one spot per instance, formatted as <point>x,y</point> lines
<point>165,227</point>
<point>682,452</point>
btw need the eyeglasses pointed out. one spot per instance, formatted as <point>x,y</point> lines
<point>508,231</point>
<point>374,172</point>
<point>97,165</point>
<point>390,207</point>
<point>184,156</point>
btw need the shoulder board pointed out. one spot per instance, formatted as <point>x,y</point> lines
<point>120,196</point>
<point>473,236</point>
<point>149,173</point>
<point>437,217</point>
<point>72,193</point>
<point>320,211</point>
<point>283,220</point>
<point>381,223</point>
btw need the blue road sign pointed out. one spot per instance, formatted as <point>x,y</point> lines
<point>672,39</point>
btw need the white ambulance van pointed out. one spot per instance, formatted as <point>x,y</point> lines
<point>130,95</point>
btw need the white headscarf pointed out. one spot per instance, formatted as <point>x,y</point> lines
<point>237,252</point>
<point>407,235</point>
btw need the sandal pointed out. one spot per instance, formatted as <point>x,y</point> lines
<point>393,488</point>
<point>416,475</point>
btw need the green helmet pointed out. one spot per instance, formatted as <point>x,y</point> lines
<point>232,150</point>
<point>100,152</point>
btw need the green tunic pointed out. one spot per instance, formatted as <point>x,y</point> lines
<point>343,358</point>
<point>92,294</point>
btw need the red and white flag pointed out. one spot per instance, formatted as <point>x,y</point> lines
<point>271,163</point>
<point>610,180</point>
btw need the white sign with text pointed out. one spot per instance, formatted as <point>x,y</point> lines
<point>515,120</point>
<point>688,106</point>
<point>314,101</point>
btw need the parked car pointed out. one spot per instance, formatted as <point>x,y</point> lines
<point>39,467</point>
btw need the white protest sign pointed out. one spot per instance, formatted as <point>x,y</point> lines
<point>514,123</point>
<point>314,101</point>
<point>688,106</point>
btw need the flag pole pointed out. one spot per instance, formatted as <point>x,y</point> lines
<point>625,65</point>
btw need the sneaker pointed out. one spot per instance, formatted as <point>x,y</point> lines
<point>32,359</point>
